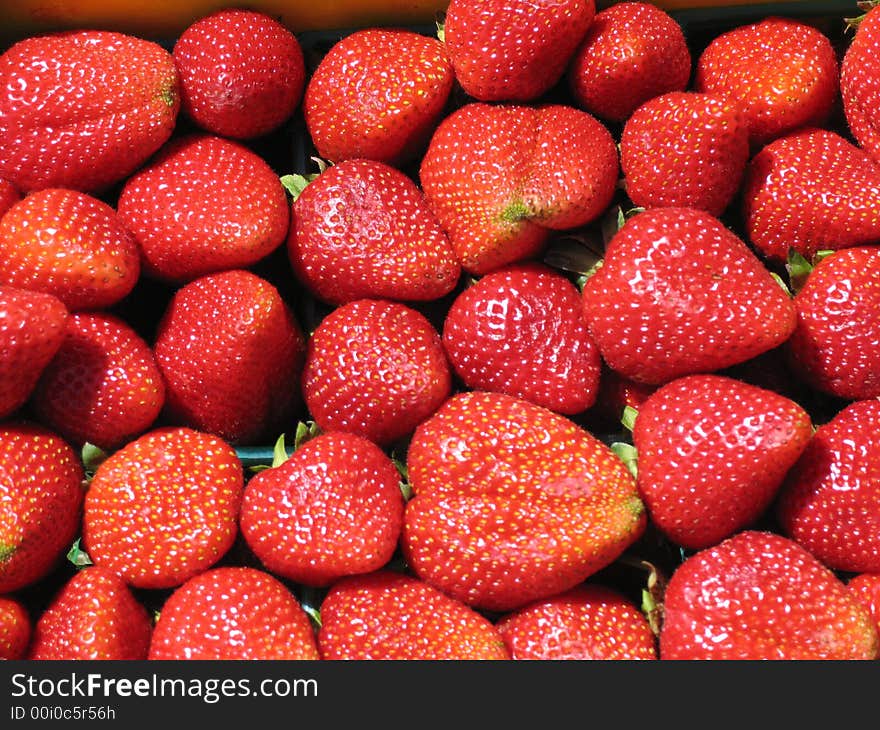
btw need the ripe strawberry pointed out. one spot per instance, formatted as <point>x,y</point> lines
<point>377,94</point>
<point>204,204</point>
<point>685,149</point>
<point>712,454</point>
<point>93,617</point>
<point>103,386</point>
<point>31,331</point>
<point>865,588</point>
<point>678,293</point>
<point>9,195</point>
<point>15,629</point>
<point>164,507</point>
<point>808,191</point>
<point>500,178</point>
<point>375,368</point>
<point>334,508</point>
<point>381,241</point>
<point>632,52</point>
<point>783,72</point>
<point>758,595</point>
<point>233,613</point>
<point>831,497</point>
<point>585,622</point>
<point>83,109</point>
<point>242,73</point>
<point>521,330</point>
<point>231,353</point>
<point>513,50</point>
<point>41,495</point>
<point>513,502</point>
<point>69,244</point>
<point>860,83</point>
<point>392,616</point>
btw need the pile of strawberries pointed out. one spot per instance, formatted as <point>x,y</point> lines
<point>566,333</point>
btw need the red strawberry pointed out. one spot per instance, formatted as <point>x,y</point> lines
<point>233,613</point>
<point>164,507</point>
<point>586,622</point>
<point>334,508</point>
<point>831,497</point>
<point>242,73</point>
<point>809,191</point>
<point>41,495</point>
<point>513,502</point>
<point>9,195</point>
<point>500,178</point>
<point>685,149</point>
<point>15,629</point>
<point>375,368</point>
<point>83,109</point>
<point>712,454</point>
<point>377,94</point>
<point>632,52</point>
<point>513,50</point>
<point>69,244</point>
<point>678,293</point>
<point>363,229</point>
<point>391,616</point>
<point>231,352</point>
<point>756,596</point>
<point>103,385</point>
<point>860,83</point>
<point>93,617</point>
<point>521,330</point>
<point>865,588</point>
<point>204,204</point>
<point>31,331</point>
<point>783,72</point>
<point>617,393</point>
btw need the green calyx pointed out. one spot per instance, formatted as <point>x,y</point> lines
<point>852,24</point>
<point>77,556</point>
<point>628,454</point>
<point>296,183</point>
<point>515,212</point>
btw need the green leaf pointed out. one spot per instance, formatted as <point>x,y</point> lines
<point>779,280</point>
<point>295,184</point>
<point>628,455</point>
<point>628,418</point>
<point>279,452</point>
<point>798,269</point>
<point>77,556</point>
<point>305,431</point>
<point>92,456</point>
<point>441,31</point>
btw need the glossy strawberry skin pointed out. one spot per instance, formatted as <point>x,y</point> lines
<point>363,229</point>
<point>391,616</point>
<point>758,595</point>
<point>860,84</point>
<point>678,294</point>
<point>15,629</point>
<point>231,613</point>
<point>93,617</point>
<point>9,195</point>
<point>41,496</point>
<point>377,94</point>
<point>164,507</point>
<point>96,105</point>
<point>865,588</point>
<point>204,204</point>
<point>499,178</point>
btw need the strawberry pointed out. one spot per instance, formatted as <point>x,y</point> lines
<point>811,190</point>
<point>632,52</point>
<point>865,588</point>
<point>860,83</point>
<point>615,394</point>
<point>83,109</point>
<point>69,244</point>
<point>783,72</point>
<point>41,496</point>
<point>830,499</point>
<point>231,351</point>
<point>93,617</point>
<point>521,330</point>
<point>758,595</point>
<point>233,613</point>
<point>392,616</point>
<point>103,386</point>
<point>377,94</point>
<point>678,294</point>
<point>204,204</point>
<point>513,502</point>
<point>15,629</point>
<point>9,195</point>
<point>685,149</point>
<point>242,73</point>
<point>381,240</point>
<point>513,50</point>
<point>31,331</point>
<point>712,454</point>
<point>334,508</point>
<point>375,368</point>
<point>164,507</point>
<point>586,622</point>
<point>501,177</point>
